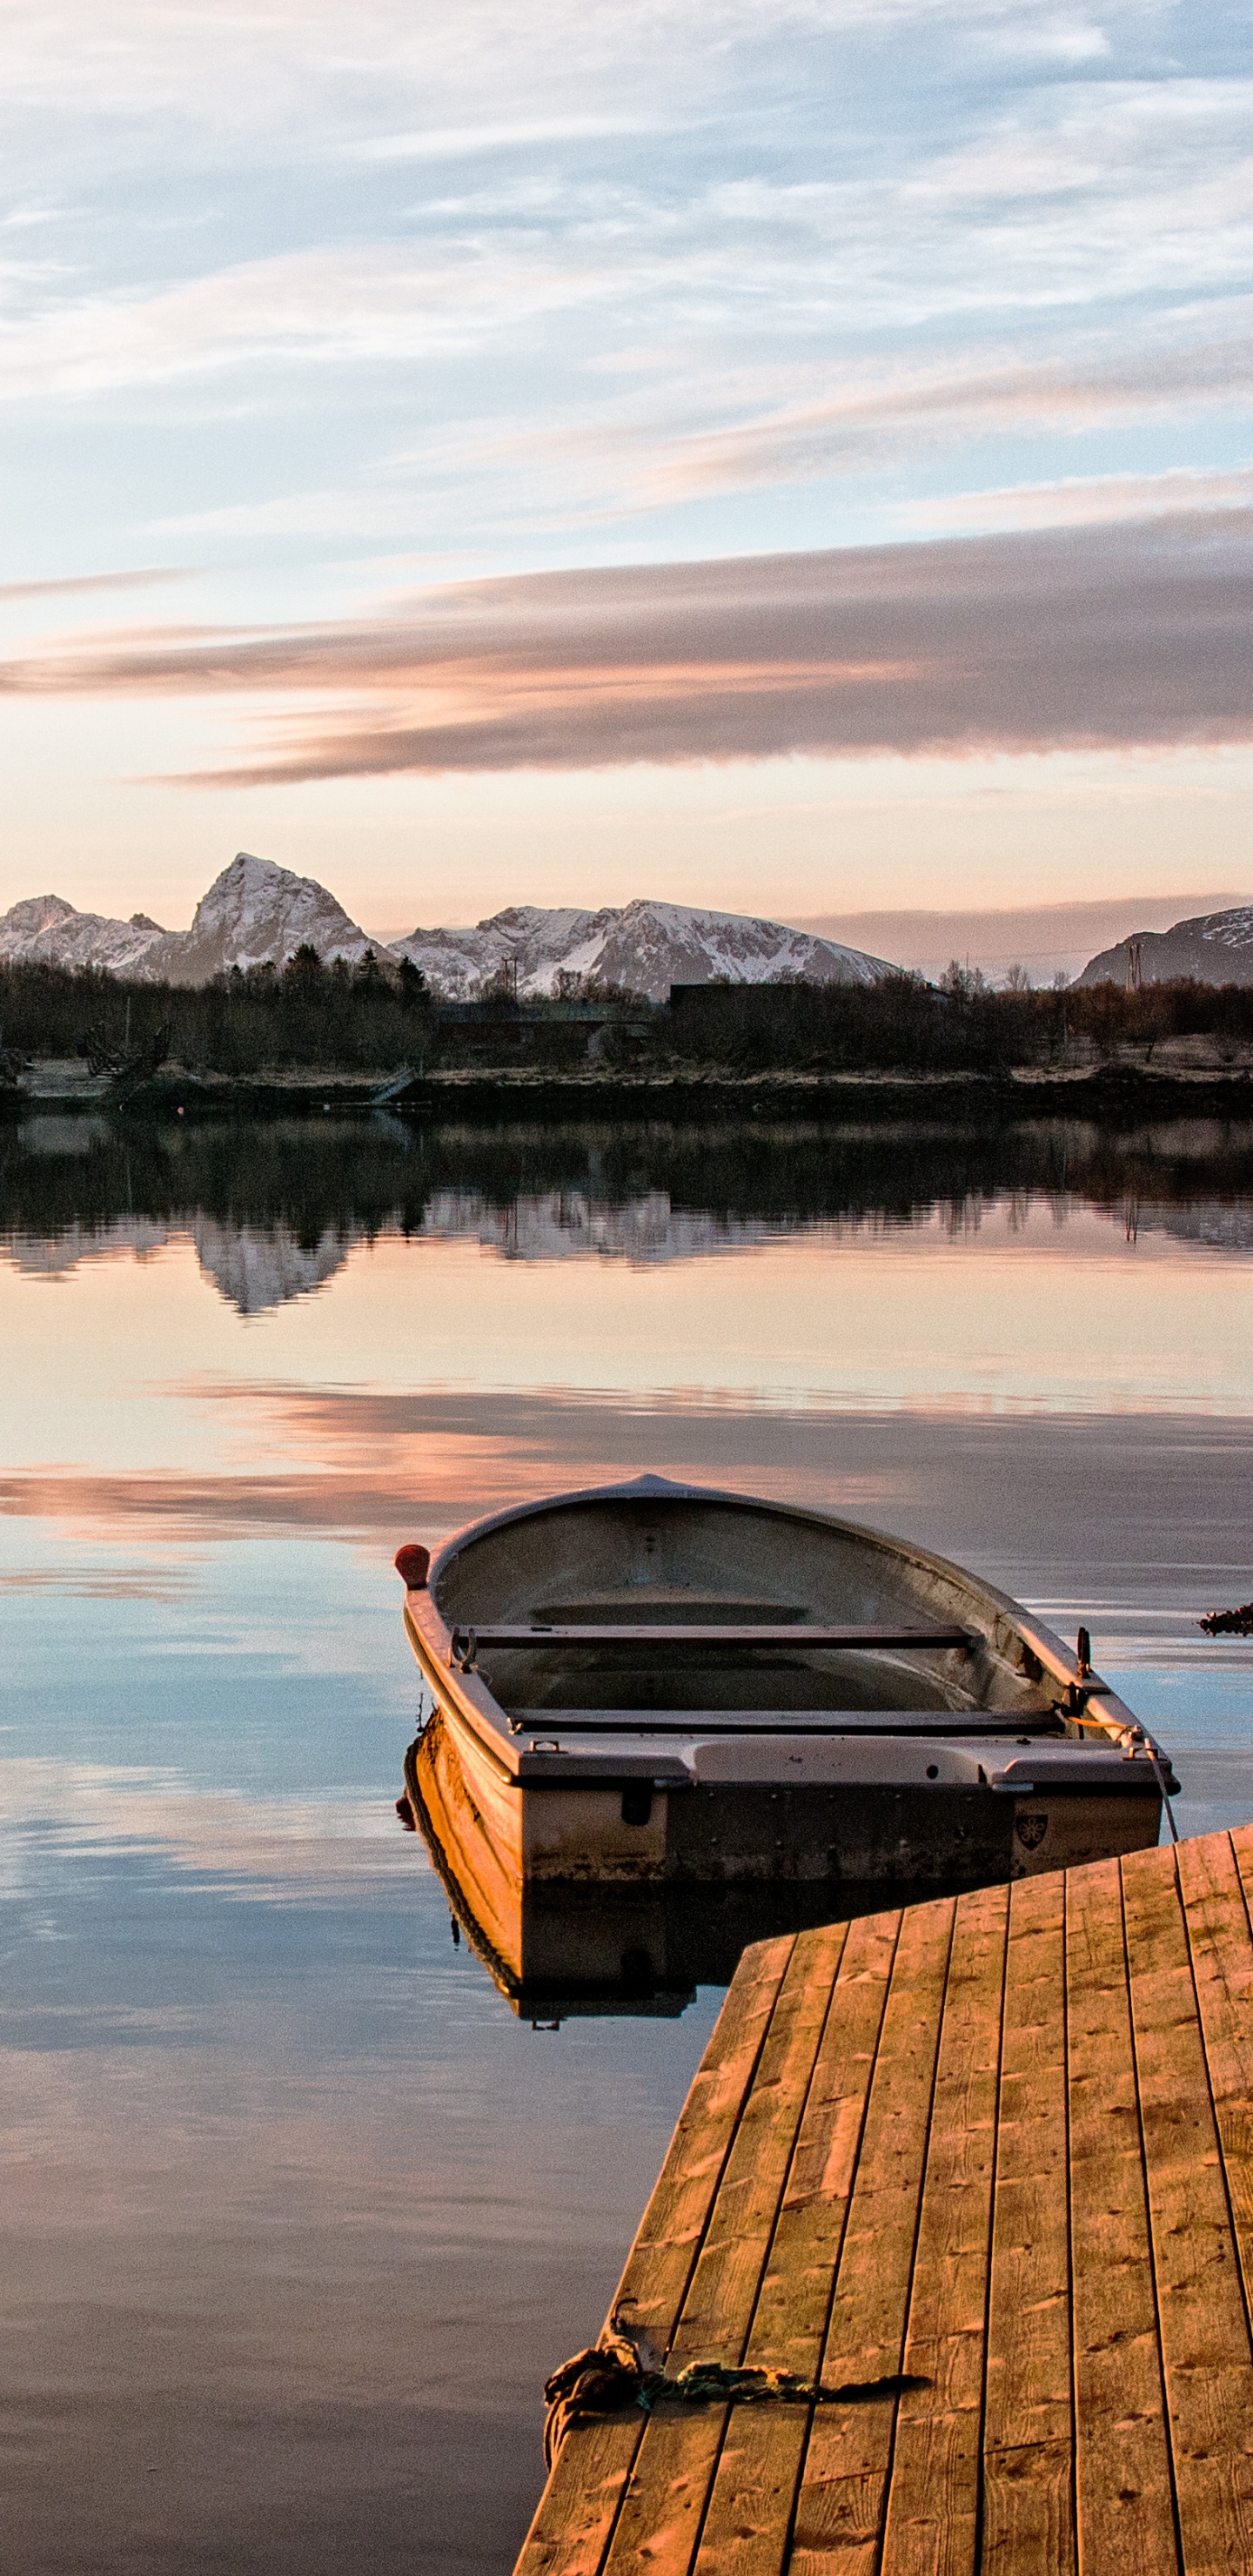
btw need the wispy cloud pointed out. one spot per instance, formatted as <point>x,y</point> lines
<point>1135,634</point>
<point>690,434</point>
<point>1085,501</point>
<point>88,581</point>
<point>875,412</point>
<point>610,276</point>
<point>1081,196</point>
<point>463,142</point>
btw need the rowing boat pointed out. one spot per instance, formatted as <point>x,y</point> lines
<point>655,1683</point>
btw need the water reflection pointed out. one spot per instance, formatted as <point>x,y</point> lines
<point>274,1209</point>
<point>298,2208</point>
<point>559,1951</point>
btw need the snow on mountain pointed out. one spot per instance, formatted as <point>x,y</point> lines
<point>1215,948</point>
<point>644,946</point>
<point>51,932</point>
<point>254,914</point>
<point>257,914</point>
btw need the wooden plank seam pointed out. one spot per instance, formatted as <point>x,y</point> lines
<point>933,2486</point>
<point>913,2251</point>
<point>1070,2220</point>
<point>987,2275</point>
<point>1029,2433</point>
<point>680,2452</point>
<point>1190,1929</point>
<point>592,2502</point>
<point>1152,2240</point>
<point>1123,2493</point>
<point>834,2008</point>
<point>1209,1931</point>
<point>840,2504</point>
<point>699,2242</point>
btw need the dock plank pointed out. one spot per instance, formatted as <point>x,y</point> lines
<point>1029,2519</point>
<point>748,2525</point>
<point>1215,1876</point>
<point>673,2470</point>
<point>1206,2358</point>
<point>579,2508</point>
<point>996,2154</point>
<point>840,2508</point>
<point>934,2498</point>
<point>1124,2496</point>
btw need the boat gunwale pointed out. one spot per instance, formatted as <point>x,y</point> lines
<point>1115,1722</point>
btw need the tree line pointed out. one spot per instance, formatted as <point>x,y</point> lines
<point>305,1014</point>
<point>368,1018</point>
<point>961,1024</point>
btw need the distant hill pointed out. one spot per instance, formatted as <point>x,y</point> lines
<point>645,946</point>
<point>1214,948</point>
<point>257,914</point>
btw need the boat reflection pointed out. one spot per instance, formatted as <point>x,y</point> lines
<point>557,1952</point>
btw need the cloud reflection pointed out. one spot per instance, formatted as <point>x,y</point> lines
<point>1095,1513</point>
<point>238,1846</point>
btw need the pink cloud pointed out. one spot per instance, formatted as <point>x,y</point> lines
<point>1134,634</point>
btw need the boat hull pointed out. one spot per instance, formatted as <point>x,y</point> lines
<point>502,1836</point>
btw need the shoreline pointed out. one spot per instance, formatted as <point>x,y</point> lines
<point>1105,1093</point>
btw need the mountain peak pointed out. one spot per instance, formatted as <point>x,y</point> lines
<point>49,931</point>
<point>256,914</point>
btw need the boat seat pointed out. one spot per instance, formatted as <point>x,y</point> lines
<point>468,1639</point>
<point>644,1604</point>
<point>785,1721</point>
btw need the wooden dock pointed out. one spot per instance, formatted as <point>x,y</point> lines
<point>995,2154</point>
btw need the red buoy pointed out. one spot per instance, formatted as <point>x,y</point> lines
<point>413,1564</point>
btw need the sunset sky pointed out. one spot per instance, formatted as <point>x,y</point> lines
<point>793,459</point>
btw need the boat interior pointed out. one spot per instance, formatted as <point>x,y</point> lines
<point>656,1612</point>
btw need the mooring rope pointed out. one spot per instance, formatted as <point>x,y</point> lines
<point>609,2377</point>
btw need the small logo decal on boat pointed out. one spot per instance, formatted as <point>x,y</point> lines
<point>1031,1830</point>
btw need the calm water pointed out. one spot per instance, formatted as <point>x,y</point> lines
<point>296,2214</point>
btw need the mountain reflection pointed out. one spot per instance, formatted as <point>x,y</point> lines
<point>274,1209</point>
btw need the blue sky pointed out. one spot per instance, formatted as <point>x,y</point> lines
<point>322,318</point>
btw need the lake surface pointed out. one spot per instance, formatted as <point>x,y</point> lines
<point>296,2213</point>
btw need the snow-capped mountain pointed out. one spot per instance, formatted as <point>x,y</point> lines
<point>644,946</point>
<point>1215,948</point>
<point>51,932</point>
<point>254,914</point>
<point>257,914</point>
